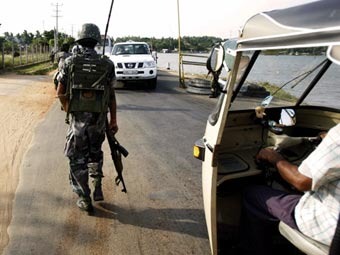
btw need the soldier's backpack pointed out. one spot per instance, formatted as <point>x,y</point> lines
<point>89,84</point>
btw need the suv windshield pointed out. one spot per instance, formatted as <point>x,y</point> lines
<point>285,75</point>
<point>123,49</point>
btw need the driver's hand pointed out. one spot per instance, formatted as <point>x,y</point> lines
<point>322,135</point>
<point>268,155</point>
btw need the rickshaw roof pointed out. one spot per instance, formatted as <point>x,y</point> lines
<point>312,24</point>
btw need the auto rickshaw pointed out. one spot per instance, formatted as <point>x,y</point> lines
<point>281,89</point>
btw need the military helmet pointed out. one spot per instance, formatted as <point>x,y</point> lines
<point>89,31</point>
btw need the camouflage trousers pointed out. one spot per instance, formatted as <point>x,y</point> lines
<point>84,140</point>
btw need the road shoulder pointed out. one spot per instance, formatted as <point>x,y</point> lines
<point>24,102</point>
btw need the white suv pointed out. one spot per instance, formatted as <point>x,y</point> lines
<point>133,62</point>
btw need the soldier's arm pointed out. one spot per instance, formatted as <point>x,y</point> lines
<point>61,91</point>
<point>62,87</point>
<point>113,112</point>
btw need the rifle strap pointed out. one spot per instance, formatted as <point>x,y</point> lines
<point>95,84</point>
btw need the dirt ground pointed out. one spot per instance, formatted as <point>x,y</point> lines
<point>20,111</point>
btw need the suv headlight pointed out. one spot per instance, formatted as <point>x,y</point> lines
<point>149,64</point>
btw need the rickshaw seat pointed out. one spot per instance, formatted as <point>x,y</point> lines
<point>303,242</point>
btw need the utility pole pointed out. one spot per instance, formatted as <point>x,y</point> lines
<point>180,70</point>
<point>57,5</point>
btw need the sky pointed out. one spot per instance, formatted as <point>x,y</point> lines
<point>145,18</point>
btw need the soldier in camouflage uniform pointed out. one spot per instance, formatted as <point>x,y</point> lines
<point>61,56</point>
<point>87,129</point>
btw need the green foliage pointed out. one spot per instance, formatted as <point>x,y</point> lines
<point>202,43</point>
<point>27,38</point>
<point>188,43</point>
<point>314,51</point>
<point>69,40</point>
<point>8,47</point>
<point>2,39</point>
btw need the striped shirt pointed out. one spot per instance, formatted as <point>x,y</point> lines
<point>317,212</point>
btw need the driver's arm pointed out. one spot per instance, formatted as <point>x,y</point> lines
<point>288,171</point>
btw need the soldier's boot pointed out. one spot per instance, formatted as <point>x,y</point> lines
<point>98,192</point>
<point>84,203</point>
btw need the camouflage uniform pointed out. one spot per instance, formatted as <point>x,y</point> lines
<point>84,140</point>
<point>83,148</point>
<point>61,56</point>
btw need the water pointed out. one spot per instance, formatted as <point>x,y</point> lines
<point>171,59</point>
<point>279,70</point>
<point>276,70</point>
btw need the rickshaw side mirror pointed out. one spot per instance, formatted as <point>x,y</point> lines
<point>215,59</point>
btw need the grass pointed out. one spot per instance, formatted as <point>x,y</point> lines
<point>23,60</point>
<point>37,69</point>
<point>27,64</point>
<point>279,94</point>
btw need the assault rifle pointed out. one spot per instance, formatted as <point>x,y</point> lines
<point>117,151</point>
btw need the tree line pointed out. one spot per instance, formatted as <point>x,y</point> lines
<point>46,38</point>
<point>10,41</point>
<point>188,43</point>
<point>296,51</point>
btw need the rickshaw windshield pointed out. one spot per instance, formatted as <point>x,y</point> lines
<point>279,78</point>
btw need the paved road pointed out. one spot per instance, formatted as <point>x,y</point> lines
<point>162,213</point>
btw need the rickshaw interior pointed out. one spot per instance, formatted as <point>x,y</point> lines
<point>281,90</point>
<point>285,99</point>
